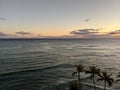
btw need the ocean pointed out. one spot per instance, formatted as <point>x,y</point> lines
<point>47,64</point>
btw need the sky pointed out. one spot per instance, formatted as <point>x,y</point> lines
<point>60,18</point>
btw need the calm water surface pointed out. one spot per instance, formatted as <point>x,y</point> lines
<point>39,64</point>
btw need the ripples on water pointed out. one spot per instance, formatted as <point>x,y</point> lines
<point>38,64</point>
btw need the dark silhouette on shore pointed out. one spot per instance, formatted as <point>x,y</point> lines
<point>93,71</point>
<point>79,68</point>
<point>106,78</point>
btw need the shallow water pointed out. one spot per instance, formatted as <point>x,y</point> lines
<point>36,64</point>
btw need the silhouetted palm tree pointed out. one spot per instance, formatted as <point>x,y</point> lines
<point>79,68</point>
<point>107,79</point>
<point>93,71</point>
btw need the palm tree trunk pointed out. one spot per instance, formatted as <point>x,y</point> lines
<point>94,82</point>
<point>79,82</point>
<point>105,85</point>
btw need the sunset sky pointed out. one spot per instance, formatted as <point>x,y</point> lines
<point>60,18</point>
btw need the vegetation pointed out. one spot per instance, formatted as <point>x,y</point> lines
<point>93,71</point>
<point>79,68</point>
<point>73,85</point>
<point>106,78</point>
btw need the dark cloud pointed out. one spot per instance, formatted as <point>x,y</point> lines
<point>2,18</point>
<point>87,20</point>
<point>85,31</point>
<point>95,33</point>
<point>114,32</point>
<point>23,33</point>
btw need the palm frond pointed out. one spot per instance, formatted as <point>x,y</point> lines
<point>111,79</point>
<point>110,83</point>
<point>117,80</point>
<point>97,71</point>
<point>104,74</point>
<point>73,74</point>
<point>100,79</point>
<point>100,75</point>
<point>79,68</point>
<point>87,71</point>
<point>109,75</point>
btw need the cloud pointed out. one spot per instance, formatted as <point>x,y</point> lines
<point>23,33</point>
<point>87,20</point>
<point>7,35</point>
<point>2,18</point>
<point>84,31</point>
<point>95,33</point>
<point>116,32</point>
<point>2,34</point>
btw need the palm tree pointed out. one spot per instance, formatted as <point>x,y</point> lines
<point>107,79</point>
<point>79,68</point>
<point>93,70</point>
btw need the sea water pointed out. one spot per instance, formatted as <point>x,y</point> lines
<point>47,64</point>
